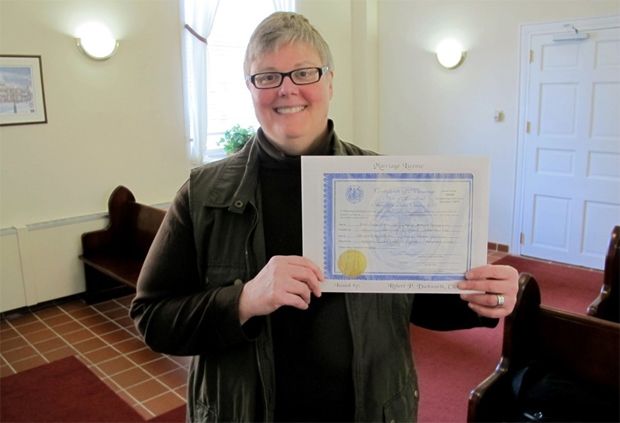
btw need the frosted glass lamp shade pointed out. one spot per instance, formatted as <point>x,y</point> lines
<point>96,41</point>
<point>450,53</point>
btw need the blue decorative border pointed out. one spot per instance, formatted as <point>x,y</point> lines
<point>329,180</point>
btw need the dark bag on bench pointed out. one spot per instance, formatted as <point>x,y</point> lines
<point>543,395</point>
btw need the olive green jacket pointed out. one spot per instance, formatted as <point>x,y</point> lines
<point>212,241</point>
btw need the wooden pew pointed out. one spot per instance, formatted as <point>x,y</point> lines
<point>607,304</point>
<point>577,357</point>
<point>113,256</point>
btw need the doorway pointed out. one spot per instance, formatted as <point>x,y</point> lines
<point>568,157</point>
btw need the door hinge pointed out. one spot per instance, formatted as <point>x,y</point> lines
<point>522,238</point>
<point>528,127</point>
<point>531,56</point>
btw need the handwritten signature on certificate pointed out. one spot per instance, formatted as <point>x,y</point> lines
<point>394,224</point>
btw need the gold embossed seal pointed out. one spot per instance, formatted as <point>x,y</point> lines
<point>352,263</point>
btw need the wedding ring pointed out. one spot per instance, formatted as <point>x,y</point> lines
<point>500,300</point>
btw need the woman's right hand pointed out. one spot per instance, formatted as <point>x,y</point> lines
<point>284,281</point>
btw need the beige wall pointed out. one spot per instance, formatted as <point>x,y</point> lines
<point>121,121</point>
<point>425,109</point>
<point>113,122</point>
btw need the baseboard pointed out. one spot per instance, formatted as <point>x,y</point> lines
<point>502,248</point>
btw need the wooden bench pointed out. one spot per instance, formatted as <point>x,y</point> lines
<point>607,304</point>
<point>113,256</point>
<point>581,349</point>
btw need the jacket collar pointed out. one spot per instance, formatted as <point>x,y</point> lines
<point>237,178</point>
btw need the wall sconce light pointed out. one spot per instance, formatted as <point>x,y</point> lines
<point>96,41</point>
<point>450,53</point>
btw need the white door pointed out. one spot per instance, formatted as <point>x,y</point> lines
<point>570,146</point>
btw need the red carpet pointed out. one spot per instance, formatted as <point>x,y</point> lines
<point>173,416</point>
<point>62,391</point>
<point>450,364</point>
<point>66,391</point>
<point>566,287</point>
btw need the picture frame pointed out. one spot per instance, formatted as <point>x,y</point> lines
<point>22,97</point>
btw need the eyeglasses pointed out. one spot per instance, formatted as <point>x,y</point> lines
<point>302,76</point>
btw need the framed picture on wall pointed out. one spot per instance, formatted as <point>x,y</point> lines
<point>22,99</point>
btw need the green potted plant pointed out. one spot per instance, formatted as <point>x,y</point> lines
<point>235,138</point>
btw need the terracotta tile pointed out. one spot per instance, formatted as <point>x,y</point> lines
<point>116,313</point>
<point>19,354</point>
<point>83,313</point>
<point>144,412</point>
<point>28,363</point>
<point>57,320</point>
<point>104,328</point>
<point>181,361</point>
<point>8,333</point>
<point>160,366</point>
<point>79,335</point>
<point>110,383</point>
<point>174,379</point>
<point>30,327</point>
<point>132,329</point>
<point>101,354</point>
<point>124,321</point>
<point>50,344</point>
<point>129,345</point>
<point>106,306</point>
<point>12,343</point>
<point>73,306</point>
<point>144,355</point>
<point>115,365</point>
<point>101,375</point>
<point>89,345</point>
<point>125,301</point>
<point>59,353</point>
<point>48,312</point>
<point>116,336</point>
<point>40,335</point>
<point>147,390</point>
<point>6,371</point>
<point>182,392</point>
<point>130,377</point>
<point>93,320</point>
<point>23,320</point>
<point>68,327</point>
<point>163,403</point>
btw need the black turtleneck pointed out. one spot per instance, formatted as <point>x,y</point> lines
<point>312,348</point>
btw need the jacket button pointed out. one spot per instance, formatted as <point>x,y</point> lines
<point>415,393</point>
<point>392,421</point>
<point>238,204</point>
<point>237,281</point>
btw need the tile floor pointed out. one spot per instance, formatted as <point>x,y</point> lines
<point>104,338</point>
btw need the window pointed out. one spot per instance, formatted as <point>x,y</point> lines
<point>215,91</point>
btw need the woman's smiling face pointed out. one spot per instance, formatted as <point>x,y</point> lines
<point>293,117</point>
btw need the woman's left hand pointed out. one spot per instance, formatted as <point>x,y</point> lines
<point>498,286</point>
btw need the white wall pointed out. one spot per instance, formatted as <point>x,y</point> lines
<point>121,121</point>
<point>113,122</point>
<point>425,109</point>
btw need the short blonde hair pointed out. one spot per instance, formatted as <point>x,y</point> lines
<point>281,28</point>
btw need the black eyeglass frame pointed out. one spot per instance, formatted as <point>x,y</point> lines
<point>321,69</point>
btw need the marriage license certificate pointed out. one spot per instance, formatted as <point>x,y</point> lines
<point>395,224</point>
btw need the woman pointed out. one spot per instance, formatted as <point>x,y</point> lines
<point>226,282</point>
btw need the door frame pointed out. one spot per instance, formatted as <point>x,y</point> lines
<point>527,32</point>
